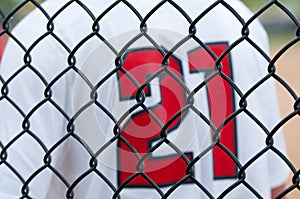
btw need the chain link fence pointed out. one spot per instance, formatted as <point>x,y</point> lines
<point>108,100</point>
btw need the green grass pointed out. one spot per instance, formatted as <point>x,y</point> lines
<point>255,4</point>
<point>281,38</point>
<point>7,6</point>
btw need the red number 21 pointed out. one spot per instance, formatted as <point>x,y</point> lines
<point>141,131</point>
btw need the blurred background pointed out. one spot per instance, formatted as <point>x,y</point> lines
<point>281,30</point>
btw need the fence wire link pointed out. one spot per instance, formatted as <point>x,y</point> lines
<point>140,96</point>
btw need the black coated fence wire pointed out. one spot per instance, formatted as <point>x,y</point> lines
<point>5,83</point>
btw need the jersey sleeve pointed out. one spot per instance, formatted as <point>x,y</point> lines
<point>32,121</point>
<point>278,171</point>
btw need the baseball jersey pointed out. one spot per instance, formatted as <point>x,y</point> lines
<point>123,103</point>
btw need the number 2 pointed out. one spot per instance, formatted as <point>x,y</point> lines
<point>142,130</point>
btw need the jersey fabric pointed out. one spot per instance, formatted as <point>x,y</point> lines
<point>48,103</point>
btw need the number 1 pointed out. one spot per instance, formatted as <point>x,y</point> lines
<point>201,61</point>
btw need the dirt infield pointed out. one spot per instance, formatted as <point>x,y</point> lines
<point>288,67</point>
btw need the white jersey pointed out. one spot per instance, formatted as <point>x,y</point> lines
<point>152,122</point>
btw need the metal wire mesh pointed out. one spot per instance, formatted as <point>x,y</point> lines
<point>138,91</point>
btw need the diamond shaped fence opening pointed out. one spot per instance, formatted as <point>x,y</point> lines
<point>158,99</point>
